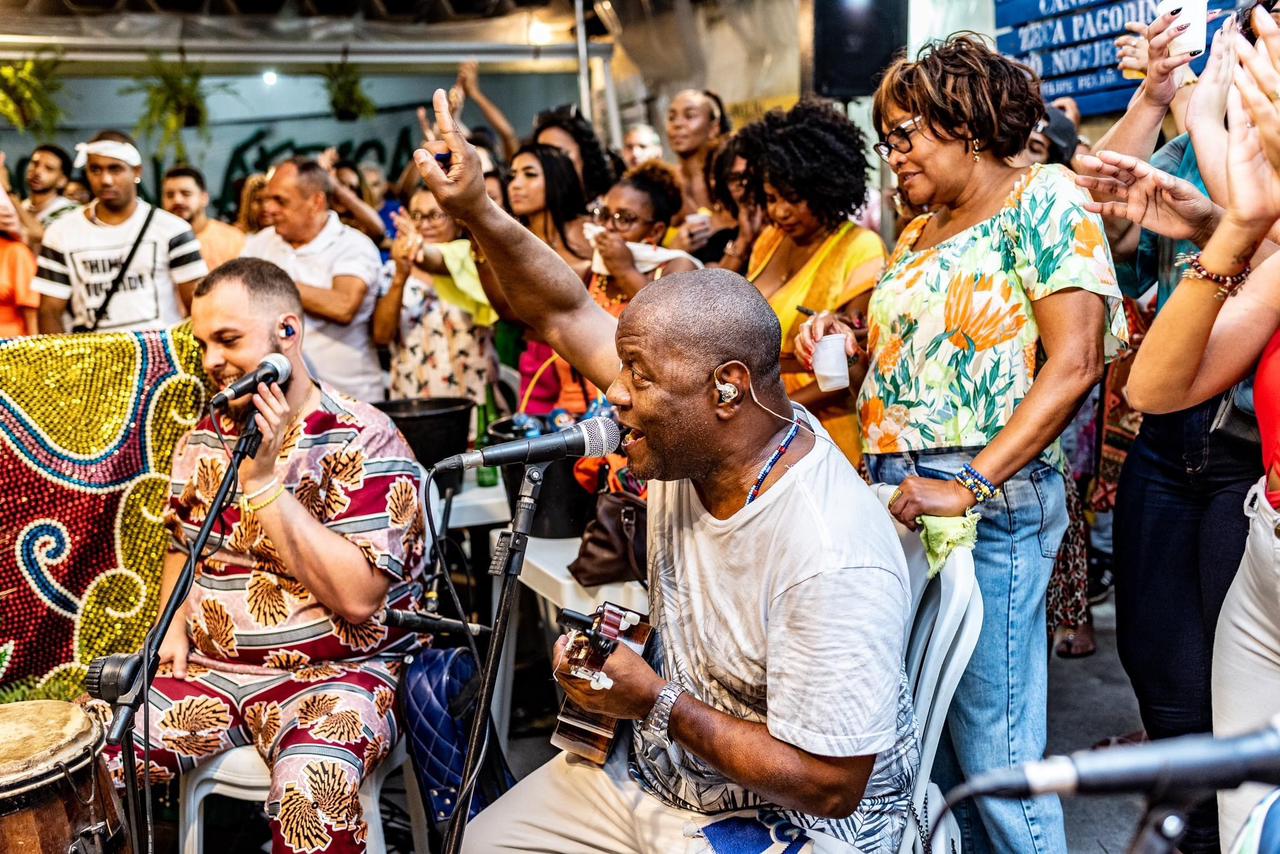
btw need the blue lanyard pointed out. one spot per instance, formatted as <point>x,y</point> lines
<point>773,461</point>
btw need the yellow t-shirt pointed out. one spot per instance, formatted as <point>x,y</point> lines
<point>833,276</point>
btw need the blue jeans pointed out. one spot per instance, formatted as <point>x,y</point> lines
<point>1180,532</point>
<point>997,717</point>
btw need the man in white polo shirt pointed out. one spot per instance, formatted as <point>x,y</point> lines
<point>82,253</point>
<point>335,268</point>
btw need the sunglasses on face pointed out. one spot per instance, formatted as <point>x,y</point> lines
<point>898,139</point>
<point>622,220</point>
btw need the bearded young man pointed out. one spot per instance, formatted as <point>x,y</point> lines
<point>278,644</point>
<point>774,695</point>
<point>186,196</point>
<point>82,252</point>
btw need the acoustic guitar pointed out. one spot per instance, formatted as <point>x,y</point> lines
<point>592,639</point>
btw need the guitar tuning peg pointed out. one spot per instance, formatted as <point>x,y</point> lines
<point>601,681</point>
<point>629,619</point>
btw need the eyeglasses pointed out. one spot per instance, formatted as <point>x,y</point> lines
<point>432,217</point>
<point>622,220</point>
<point>898,139</point>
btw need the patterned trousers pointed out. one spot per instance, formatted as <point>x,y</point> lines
<point>320,728</point>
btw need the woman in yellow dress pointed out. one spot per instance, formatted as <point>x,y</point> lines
<point>808,168</point>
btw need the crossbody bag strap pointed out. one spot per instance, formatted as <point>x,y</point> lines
<point>92,326</point>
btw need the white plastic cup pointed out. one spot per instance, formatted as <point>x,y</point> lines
<point>830,364</point>
<point>1195,13</point>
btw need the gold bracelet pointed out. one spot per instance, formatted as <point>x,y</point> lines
<point>270,499</point>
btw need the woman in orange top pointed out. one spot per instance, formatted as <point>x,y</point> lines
<point>628,226</point>
<point>18,302</point>
<point>807,167</point>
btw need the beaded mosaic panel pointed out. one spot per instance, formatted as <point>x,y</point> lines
<point>88,424</point>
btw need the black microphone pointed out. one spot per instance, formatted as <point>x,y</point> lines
<point>417,621</point>
<point>1189,763</point>
<point>275,368</point>
<point>594,437</point>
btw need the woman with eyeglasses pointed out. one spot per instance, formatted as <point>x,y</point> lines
<point>434,314</point>
<point>991,324</point>
<point>626,232</point>
<point>807,169</point>
<point>567,129</point>
<point>727,174</point>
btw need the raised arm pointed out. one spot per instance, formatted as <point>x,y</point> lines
<point>469,80</point>
<point>1139,128</point>
<point>540,287</point>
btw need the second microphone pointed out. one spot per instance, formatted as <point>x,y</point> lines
<point>594,437</point>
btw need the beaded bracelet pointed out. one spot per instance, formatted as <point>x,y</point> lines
<point>972,480</point>
<point>258,493</point>
<point>249,507</point>
<point>1227,285</point>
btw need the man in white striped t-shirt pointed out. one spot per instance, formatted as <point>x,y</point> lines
<point>81,253</point>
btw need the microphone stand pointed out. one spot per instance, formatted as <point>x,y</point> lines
<point>121,679</point>
<point>508,561</point>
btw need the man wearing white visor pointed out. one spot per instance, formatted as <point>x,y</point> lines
<point>119,264</point>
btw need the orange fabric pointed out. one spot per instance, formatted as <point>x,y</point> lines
<point>17,270</point>
<point>572,383</point>
<point>220,243</point>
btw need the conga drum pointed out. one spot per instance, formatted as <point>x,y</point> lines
<point>55,792</point>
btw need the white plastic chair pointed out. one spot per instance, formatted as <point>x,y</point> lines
<point>240,773</point>
<point>947,618</point>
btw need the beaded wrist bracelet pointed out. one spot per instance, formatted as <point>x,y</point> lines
<point>972,480</point>
<point>1227,285</point>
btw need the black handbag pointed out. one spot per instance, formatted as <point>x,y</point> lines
<point>1236,416</point>
<point>613,544</point>
<point>95,317</point>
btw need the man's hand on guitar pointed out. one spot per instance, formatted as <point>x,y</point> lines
<point>634,690</point>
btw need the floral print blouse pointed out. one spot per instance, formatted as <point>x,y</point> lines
<point>952,334</point>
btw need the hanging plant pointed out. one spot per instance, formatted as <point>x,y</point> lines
<point>347,97</point>
<point>26,94</point>
<point>176,99</point>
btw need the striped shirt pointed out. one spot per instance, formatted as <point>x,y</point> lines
<point>79,260</point>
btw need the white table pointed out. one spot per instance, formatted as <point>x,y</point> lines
<point>479,506</point>
<point>546,573</point>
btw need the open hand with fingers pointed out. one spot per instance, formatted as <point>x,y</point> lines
<point>1258,81</point>
<point>1125,187</point>
<point>460,190</point>
<point>1161,84</point>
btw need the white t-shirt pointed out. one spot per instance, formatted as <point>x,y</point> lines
<point>54,209</point>
<point>79,259</point>
<point>792,612</point>
<point>342,355</point>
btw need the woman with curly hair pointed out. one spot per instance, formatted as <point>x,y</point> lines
<point>566,129</point>
<point>810,175</point>
<point>626,232</point>
<point>987,330</point>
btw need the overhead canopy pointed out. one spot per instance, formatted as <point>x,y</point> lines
<point>122,43</point>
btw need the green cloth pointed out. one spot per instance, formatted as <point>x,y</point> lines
<point>943,534</point>
<point>461,288</point>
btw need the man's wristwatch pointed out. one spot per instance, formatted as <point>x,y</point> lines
<point>654,727</point>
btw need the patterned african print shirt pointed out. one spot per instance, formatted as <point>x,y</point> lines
<point>953,337</point>
<point>349,465</point>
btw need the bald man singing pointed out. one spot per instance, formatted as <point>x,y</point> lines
<point>773,701</point>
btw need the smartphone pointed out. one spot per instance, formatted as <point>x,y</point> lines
<point>1195,13</point>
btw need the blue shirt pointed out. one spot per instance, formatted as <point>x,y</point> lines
<point>1155,264</point>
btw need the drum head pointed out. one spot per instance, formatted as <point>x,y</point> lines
<point>36,735</point>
